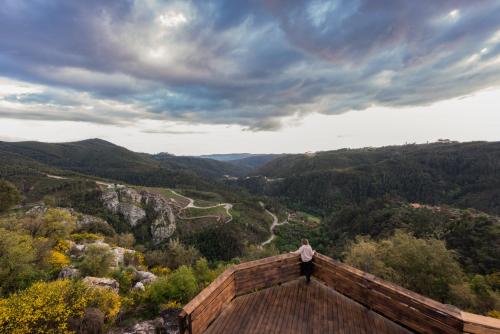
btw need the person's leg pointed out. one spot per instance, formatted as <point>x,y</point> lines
<point>308,271</point>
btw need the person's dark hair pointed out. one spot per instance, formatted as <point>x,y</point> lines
<point>305,242</point>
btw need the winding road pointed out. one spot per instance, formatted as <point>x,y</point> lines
<point>227,206</point>
<point>273,225</point>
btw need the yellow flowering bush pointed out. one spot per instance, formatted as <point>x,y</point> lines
<point>57,260</point>
<point>62,246</point>
<point>107,301</point>
<point>47,307</point>
<point>43,308</point>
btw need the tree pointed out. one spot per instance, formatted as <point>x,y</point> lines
<point>96,261</point>
<point>17,257</point>
<point>9,195</point>
<point>422,265</point>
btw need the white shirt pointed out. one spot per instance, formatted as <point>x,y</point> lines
<point>306,253</point>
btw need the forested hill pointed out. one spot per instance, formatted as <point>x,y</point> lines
<point>101,158</point>
<point>461,174</point>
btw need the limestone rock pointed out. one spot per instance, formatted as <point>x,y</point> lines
<point>155,326</point>
<point>139,286</point>
<point>85,220</point>
<point>131,213</point>
<point>102,282</point>
<point>129,195</point>
<point>110,200</point>
<point>69,272</point>
<point>146,277</point>
<point>163,226</point>
<point>119,253</point>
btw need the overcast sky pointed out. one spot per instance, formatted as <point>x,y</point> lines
<point>194,77</point>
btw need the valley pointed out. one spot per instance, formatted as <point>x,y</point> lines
<point>158,229</point>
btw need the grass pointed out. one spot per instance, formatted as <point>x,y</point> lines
<point>306,217</point>
<point>213,211</point>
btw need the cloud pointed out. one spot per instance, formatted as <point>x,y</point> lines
<point>253,63</point>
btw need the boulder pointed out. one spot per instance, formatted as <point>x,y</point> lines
<point>102,282</point>
<point>69,272</point>
<point>119,253</point>
<point>155,326</point>
<point>86,220</point>
<point>146,277</point>
<point>139,286</point>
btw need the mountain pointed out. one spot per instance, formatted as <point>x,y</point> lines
<point>227,157</point>
<point>461,174</point>
<point>202,166</point>
<point>247,161</point>
<point>103,159</point>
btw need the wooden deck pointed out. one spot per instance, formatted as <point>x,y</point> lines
<point>265,296</point>
<point>295,307</point>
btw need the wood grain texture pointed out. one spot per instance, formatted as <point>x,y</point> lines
<point>297,308</point>
<point>264,296</point>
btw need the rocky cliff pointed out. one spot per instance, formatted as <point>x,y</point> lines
<point>142,207</point>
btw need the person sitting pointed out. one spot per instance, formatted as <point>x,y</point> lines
<point>306,254</point>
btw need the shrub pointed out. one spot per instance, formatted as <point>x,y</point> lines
<point>57,260</point>
<point>204,275</point>
<point>182,285</point>
<point>9,195</point>
<point>135,259</point>
<point>422,265</point>
<point>96,261</point>
<point>57,224</point>
<point>43,308</point>
<point>49,308</point>
<point>179,286</point>
<point>17,258</point>
<point>174,256</point>
<point>85,237</point>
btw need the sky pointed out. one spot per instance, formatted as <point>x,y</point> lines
<point>259,76</point>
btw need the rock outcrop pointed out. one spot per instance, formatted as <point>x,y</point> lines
<point>102,282</point>
<point>146,277</point>
<point>142,208</point>
<point>163,225</point>
<point>69,272</point>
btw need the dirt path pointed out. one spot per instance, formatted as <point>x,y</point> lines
<point>227,206</point>
<point>273,225</point>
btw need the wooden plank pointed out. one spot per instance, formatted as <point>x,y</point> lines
<point>477,324</point>
<point>432,308</point>
<point>268,295</point>
<point>396,310</point>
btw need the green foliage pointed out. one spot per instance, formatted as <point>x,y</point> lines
<point>204,275</point>
<point>473,235</point>
<point>175,255</point>
<point>97,261</point>
<point>17,261</point>
<point>459,174</point>
<point>220,242</point>
<point>85,237</point>
<point>125,278</point>
<point>181,285</point>
<point>9,195</point>
<point>422,265</point>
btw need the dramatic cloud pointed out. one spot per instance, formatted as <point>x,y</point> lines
<point>251,63</point>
